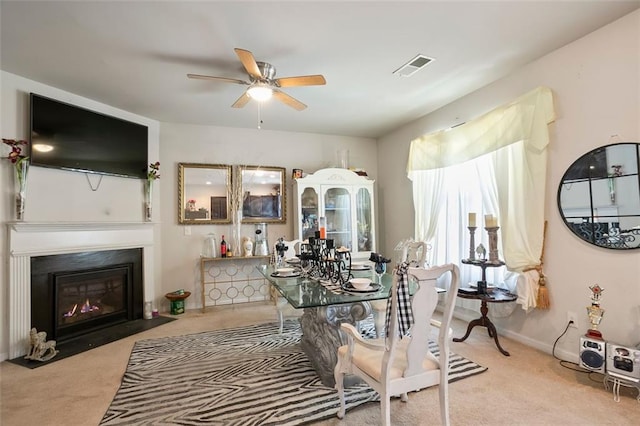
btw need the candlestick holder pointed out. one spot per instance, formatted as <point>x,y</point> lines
<point>472,242</point>
<point>493,243</point>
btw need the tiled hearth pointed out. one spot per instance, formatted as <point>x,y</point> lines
<point>41,239</point>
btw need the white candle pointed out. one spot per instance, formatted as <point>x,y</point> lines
<point>472,220</point>
<point>490,221</point>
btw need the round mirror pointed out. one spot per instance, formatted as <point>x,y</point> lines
<point>599,196</point>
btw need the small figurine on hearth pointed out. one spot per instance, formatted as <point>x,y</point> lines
<point>40,349</point>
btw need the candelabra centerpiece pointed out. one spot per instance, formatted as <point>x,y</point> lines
<point>322,260</point>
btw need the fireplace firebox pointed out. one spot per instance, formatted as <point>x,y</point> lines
<point>80,293</point>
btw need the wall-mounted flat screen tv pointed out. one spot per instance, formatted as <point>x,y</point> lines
<point>72,138</point>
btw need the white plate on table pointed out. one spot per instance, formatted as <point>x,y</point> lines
<point>359,266</point>
<point>373,287</point>
<point>294,274</point>
<point>293,260</point>
<point>286,273</point>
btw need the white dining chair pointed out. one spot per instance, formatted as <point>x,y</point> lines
<point>397,365</point>
<point>283,308</point>
<point>412,252</point>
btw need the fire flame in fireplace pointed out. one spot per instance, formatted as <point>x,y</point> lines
<point>85,308</point>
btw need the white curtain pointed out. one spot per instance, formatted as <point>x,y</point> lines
<point>514,178</point>
<point>427,200</point>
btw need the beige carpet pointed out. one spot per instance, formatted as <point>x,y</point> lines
<point>528,388</point>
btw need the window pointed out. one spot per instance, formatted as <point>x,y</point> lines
<point>495,164</point>
<point>465,187</point>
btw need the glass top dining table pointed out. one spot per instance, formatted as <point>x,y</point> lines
<point>303,292</point>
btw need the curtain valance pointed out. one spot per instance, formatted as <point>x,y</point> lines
<point>524,119</point>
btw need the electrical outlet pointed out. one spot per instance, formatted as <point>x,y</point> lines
<point>571,316</point>
<point>187,230</point>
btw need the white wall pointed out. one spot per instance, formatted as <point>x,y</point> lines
<point>182,143</point>
<point>58,195</point>
<point>596,87</point>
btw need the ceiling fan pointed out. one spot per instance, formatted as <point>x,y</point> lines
<point>262,84</point>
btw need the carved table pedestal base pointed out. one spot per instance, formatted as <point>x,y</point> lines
<point>321,336</point>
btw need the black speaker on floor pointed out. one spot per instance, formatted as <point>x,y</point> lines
<point>592,354</point>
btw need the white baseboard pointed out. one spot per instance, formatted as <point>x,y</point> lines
<point>469,315</point>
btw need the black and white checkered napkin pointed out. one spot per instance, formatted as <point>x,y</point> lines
<point>405,315</point>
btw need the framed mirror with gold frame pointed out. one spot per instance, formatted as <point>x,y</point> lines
<point>204,193</point>
<point>264,198</point>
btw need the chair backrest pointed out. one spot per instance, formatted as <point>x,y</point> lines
<point>293,248</point>
<point>412,252</point>
<point>423,304</point>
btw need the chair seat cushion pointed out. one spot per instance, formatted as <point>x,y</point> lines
<point>370,360</point>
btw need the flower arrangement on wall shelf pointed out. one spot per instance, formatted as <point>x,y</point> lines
<point>21,164</point>
<point>152,175</point>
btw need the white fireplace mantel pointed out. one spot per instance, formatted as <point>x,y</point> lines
<point>28,239</point>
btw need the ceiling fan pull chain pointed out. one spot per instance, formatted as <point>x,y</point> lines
<point>259,118</point>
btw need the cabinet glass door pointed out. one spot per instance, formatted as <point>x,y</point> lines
<point>337,206</point>
<point>363,216</point>
<point>309,209</point>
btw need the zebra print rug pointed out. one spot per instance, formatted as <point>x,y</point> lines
<point>242,376</point>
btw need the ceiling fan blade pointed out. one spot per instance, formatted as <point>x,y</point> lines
<point>303,80</point>
<point>292,102</point>
<point>224,79</point>
<point>242,101</point>
<point>249,63</point>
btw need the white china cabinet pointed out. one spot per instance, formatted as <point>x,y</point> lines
<point>345,199</point>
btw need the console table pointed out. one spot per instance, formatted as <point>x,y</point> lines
<point>234,279</point>
<point>496,295</point>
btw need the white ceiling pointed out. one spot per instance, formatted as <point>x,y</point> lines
<point>135,55</point>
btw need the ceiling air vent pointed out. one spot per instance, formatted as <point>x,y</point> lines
<point>413,65</point>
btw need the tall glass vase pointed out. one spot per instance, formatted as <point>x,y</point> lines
<point>148,199</point>
<point>22,169</point>
<point>237,233</point>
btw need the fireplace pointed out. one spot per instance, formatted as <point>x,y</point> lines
<point>79,293</point>
<point>47,240</point>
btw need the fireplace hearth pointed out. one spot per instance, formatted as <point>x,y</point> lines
<point>77,294</point>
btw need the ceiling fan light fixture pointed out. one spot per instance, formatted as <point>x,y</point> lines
<point>260,92</point>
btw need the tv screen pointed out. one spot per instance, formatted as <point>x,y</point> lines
<point>72,138</point>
